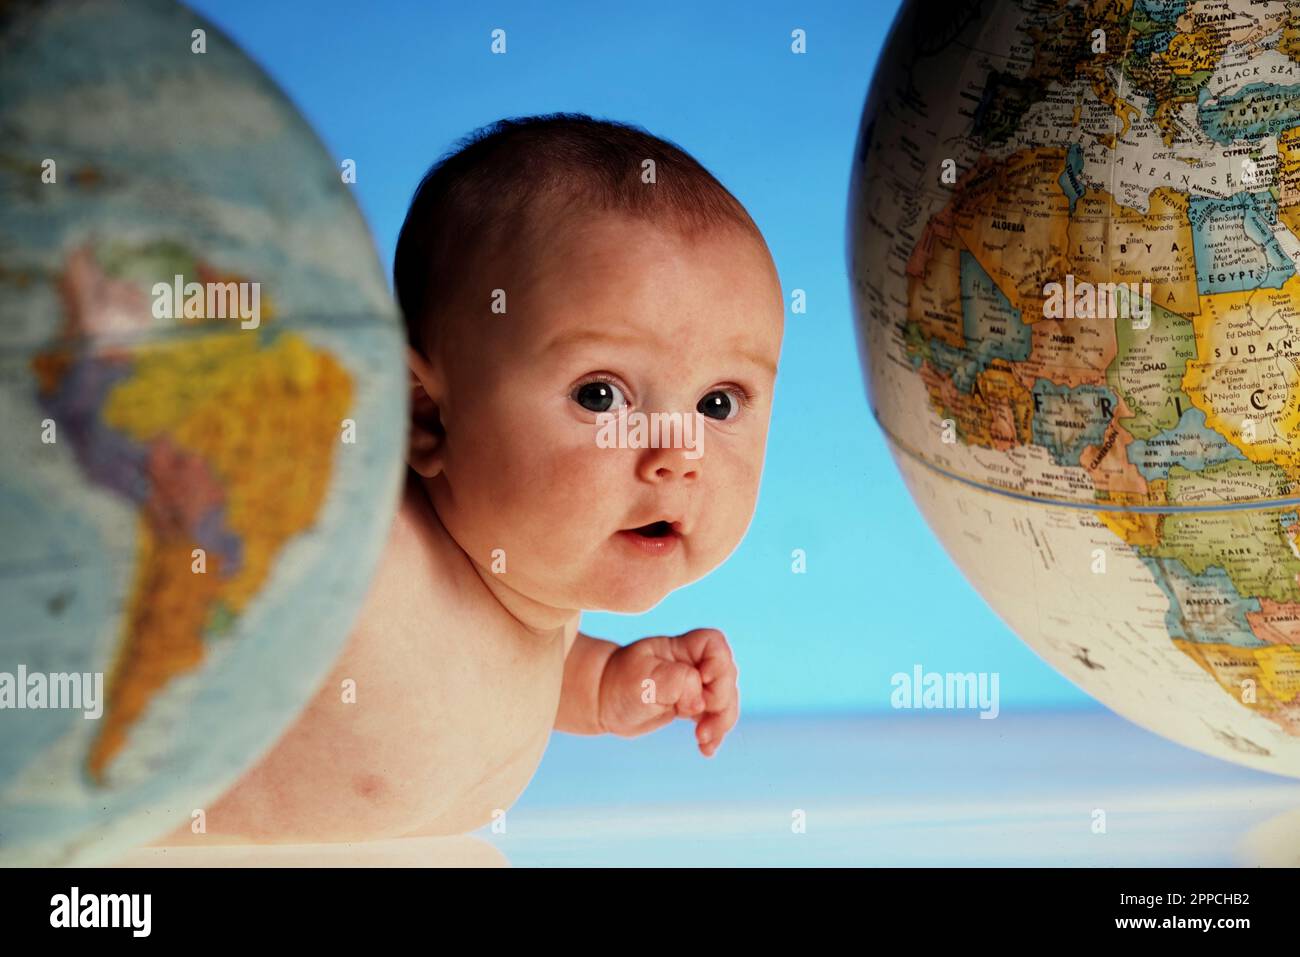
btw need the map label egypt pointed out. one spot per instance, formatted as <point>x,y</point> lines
<point>58,690</point>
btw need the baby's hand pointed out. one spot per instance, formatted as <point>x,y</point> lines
<point>650,682</point>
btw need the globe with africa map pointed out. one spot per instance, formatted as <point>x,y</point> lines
<point>1074,230</point>
<point>203,415</point>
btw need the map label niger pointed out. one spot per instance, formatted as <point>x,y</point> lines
<point>59,690</point>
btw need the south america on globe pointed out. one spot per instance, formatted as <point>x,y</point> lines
<point>202,405</point>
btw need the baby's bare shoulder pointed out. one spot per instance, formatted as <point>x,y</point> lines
<point>422,577</point>
<point>390,677</point>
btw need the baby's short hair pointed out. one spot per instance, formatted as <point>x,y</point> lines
<point>482,192</point>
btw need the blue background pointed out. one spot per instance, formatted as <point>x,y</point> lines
<point>393,86</point>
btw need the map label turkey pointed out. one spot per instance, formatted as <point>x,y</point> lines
<point>208,300</point>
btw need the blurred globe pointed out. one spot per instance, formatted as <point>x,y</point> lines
<point>192,506</point>
<point>1114,468</point>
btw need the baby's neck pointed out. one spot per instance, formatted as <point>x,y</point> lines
<point>540,619</point>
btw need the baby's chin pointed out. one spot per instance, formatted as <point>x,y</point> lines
<point>628,582</point>
<point>627,605</point>
<point>630,596</point>
<point>632,590</point>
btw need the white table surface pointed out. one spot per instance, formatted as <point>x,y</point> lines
<point>917,788</point>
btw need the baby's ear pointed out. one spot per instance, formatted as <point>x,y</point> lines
<point>424,447</point>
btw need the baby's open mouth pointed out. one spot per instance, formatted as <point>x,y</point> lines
<point>654,530</point>
<point>657,538</point>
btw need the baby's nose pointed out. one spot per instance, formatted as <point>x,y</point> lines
<point>667,464</point>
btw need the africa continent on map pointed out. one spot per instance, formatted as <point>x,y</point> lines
<point>1133,458</point>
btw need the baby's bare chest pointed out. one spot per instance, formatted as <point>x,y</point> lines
<point>460,704</point>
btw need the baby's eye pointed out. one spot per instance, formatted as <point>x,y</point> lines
<point>599,396</point>
<point>719,404</point>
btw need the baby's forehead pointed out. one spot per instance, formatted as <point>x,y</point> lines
<point>563,249</point>
<point>574,271</point>
<point>552,224</point>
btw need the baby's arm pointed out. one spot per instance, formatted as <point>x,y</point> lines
<point>579,711</point>
<point>634,689</point>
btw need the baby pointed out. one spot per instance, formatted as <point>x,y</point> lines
<point>550,270</point>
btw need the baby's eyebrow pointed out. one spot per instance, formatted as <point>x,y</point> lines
<point>762,361</point>
<point>581,336</point>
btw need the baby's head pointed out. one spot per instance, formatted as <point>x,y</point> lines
<point>555,268</point>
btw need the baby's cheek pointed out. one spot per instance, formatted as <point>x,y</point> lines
<point>743,467</point>
<point>570,492</point>
<point>722,505</point>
